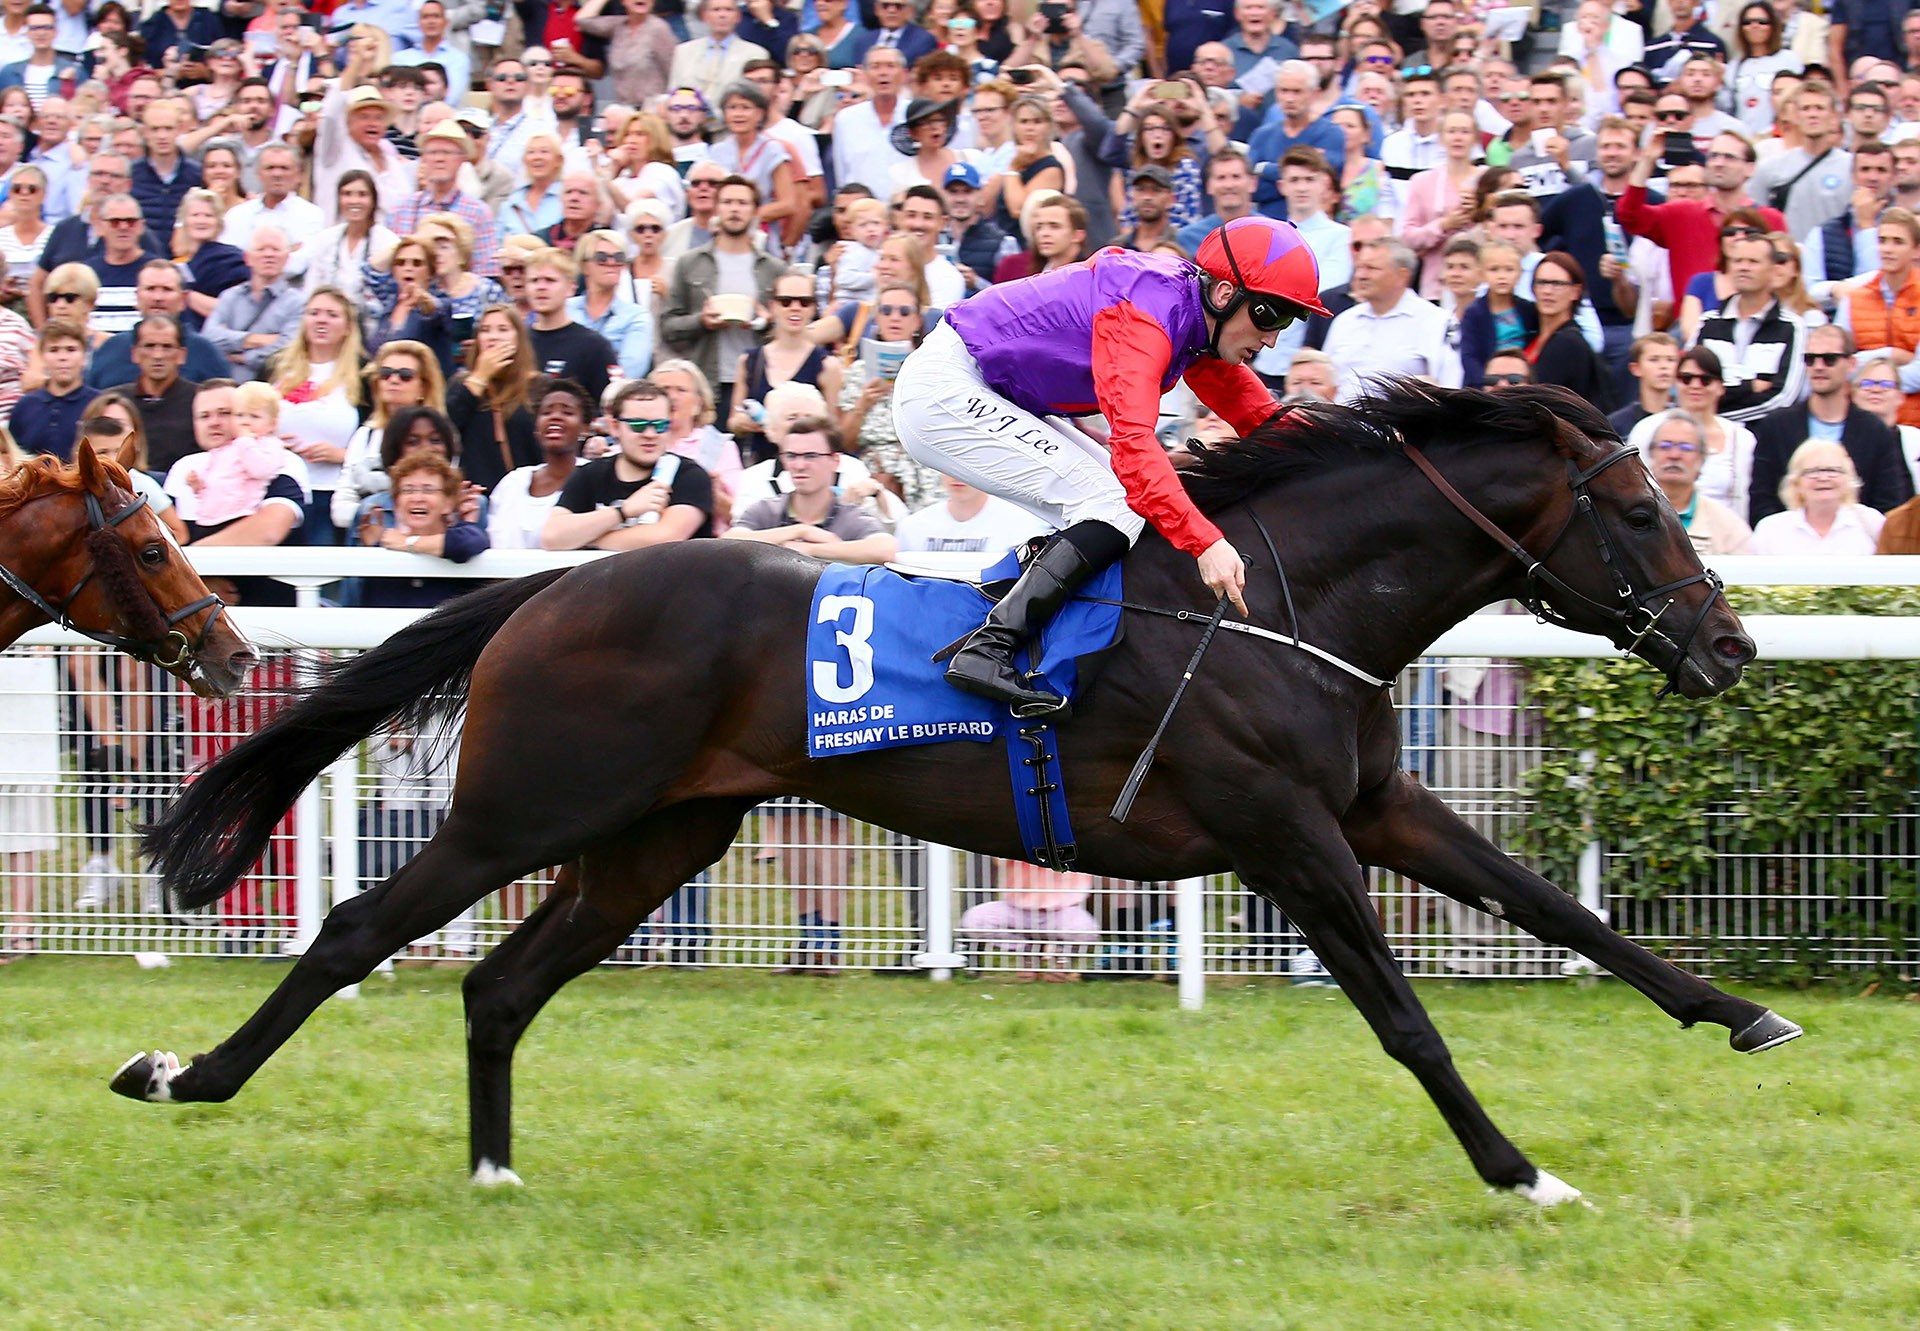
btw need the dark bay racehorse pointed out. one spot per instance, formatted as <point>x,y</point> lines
<point>623,717</point>
<point>79,548</point>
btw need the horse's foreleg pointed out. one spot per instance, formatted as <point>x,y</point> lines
<point>451,873</point>
<point>1325,896</point>
<point>595,905</point>
<point>1403,826</point>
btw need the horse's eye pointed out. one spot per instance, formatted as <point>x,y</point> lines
<point>1642,519</point>
<point>153,555</point>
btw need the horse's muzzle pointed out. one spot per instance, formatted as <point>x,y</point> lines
<point>212,675</point>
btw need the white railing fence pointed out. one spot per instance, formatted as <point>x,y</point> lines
<point>91,742</point>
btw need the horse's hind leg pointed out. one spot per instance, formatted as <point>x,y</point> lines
<point>462,863</point>
<point>1405,827</point>
<point>594,906</point>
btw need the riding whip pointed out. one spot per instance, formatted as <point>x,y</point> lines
<point>1124,805</point>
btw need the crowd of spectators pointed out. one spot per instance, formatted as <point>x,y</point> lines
<point>612,273</point>
<point>464,208</point>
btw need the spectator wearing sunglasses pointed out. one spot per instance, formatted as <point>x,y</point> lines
<point>607,302</point>
<point>1727,473</point>
<point>404,374</point>
<point>1831,414</point>
<point>638,496</point>
<point>1758,340</point>
<point>1506,369</point>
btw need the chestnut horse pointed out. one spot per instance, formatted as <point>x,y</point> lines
<point>623,717</point>
<point>80,548</point>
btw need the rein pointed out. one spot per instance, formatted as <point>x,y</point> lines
<point>172,640</point>
<point>1633,618</point>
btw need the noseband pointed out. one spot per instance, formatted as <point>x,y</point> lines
<point>171,652</point>
<point>1633,617</point>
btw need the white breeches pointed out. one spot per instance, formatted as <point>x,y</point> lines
<point>949,419</point>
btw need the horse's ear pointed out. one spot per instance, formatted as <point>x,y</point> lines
<point>86,464</point>
<point>129,451</point>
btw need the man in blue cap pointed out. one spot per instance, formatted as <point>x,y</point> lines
<point>978,242</point>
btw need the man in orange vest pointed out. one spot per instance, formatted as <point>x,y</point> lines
<point>1882,309</point>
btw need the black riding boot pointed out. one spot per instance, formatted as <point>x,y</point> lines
<point>984,663</point>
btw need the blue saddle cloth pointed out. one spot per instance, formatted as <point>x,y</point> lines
<point>872,682</point>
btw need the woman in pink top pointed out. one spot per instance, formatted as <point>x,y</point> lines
<point>1439,201</point>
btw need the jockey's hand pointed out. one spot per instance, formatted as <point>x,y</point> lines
<point>1224,574</point>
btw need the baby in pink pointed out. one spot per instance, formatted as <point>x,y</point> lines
<point>231,481</point>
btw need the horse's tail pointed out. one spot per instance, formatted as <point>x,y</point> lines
<point>221,821</point>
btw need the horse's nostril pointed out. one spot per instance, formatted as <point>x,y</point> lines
<point>1735,649</point>
<point>243,660</point>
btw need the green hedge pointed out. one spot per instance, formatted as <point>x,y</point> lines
<point>1791,750</point>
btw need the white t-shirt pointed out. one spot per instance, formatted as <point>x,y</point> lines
<point>515,514</point>
<point>990,533</point>
<point>331,419</point>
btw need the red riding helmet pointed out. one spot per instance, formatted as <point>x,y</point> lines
<point>1262,257</point>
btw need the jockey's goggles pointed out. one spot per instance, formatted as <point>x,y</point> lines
<point>1270,313</point>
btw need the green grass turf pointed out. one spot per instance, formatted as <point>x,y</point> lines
<point>716,1150</point>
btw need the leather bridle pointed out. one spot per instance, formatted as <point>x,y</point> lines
<point>171,652</point>
<point>1634,617</point>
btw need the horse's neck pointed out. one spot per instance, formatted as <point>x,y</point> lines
<point>1379,563</point>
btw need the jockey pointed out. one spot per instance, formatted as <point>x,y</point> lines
<point>1109,335</point>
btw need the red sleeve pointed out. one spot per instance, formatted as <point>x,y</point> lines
<point>1234,393</point>
<point>1637,217</point>
<point>1131,353</point>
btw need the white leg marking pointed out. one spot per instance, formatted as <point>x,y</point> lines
<point>490,1175</point>
<point>1546,1190</point>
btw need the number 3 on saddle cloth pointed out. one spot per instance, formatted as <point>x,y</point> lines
<point>872,682</point>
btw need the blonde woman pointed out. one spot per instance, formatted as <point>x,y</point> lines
<point>644,167</point>
<point>1037,161</point>
<point>24,237</point>
<point>898,264</point>
<point>403,374</point>
<point>209,264</point>
<point>1789,284</point>
<point>1824,516</point>
<point>691,412</point>
<point>488,404</point>
<point>71,291</point>
<point>321,385</point>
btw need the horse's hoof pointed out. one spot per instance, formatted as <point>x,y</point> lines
<point>1546,1190</point>
<point>147,1077</point>
<point>1769,1030</point>
<point>489,1175</point>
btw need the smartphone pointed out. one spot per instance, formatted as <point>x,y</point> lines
<point>1022,76</point>
<point>836,78</point>
<point>314,21</point>
<point>1679,148</point>
<point>1055,15</point>
<point>1170,91</point>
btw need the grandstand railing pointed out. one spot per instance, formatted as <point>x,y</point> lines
<point>900,904</point>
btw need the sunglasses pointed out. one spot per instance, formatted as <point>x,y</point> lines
<point>1824,471</point>
<point>608,260</point>
<point>793,302</point>
<point>24,187</point>
<point>1695,379</point>
<point>897,311</point>
<point>1377,60</point>
<point>646,425</point>
<point>1502,380</point>
<point>1670,117</point>
<point>399,372</point>
<point>120,221</point>
<point>1743,232</point>
<point>1270,316</point>
<point>1822,357</point>
<point>509,78</point>
<point>513,268</point>
<point>648,229</point>
<point>61,297</point>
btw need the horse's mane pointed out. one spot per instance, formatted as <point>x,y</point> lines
<point>44,472</point>
<point>1309,439</point>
